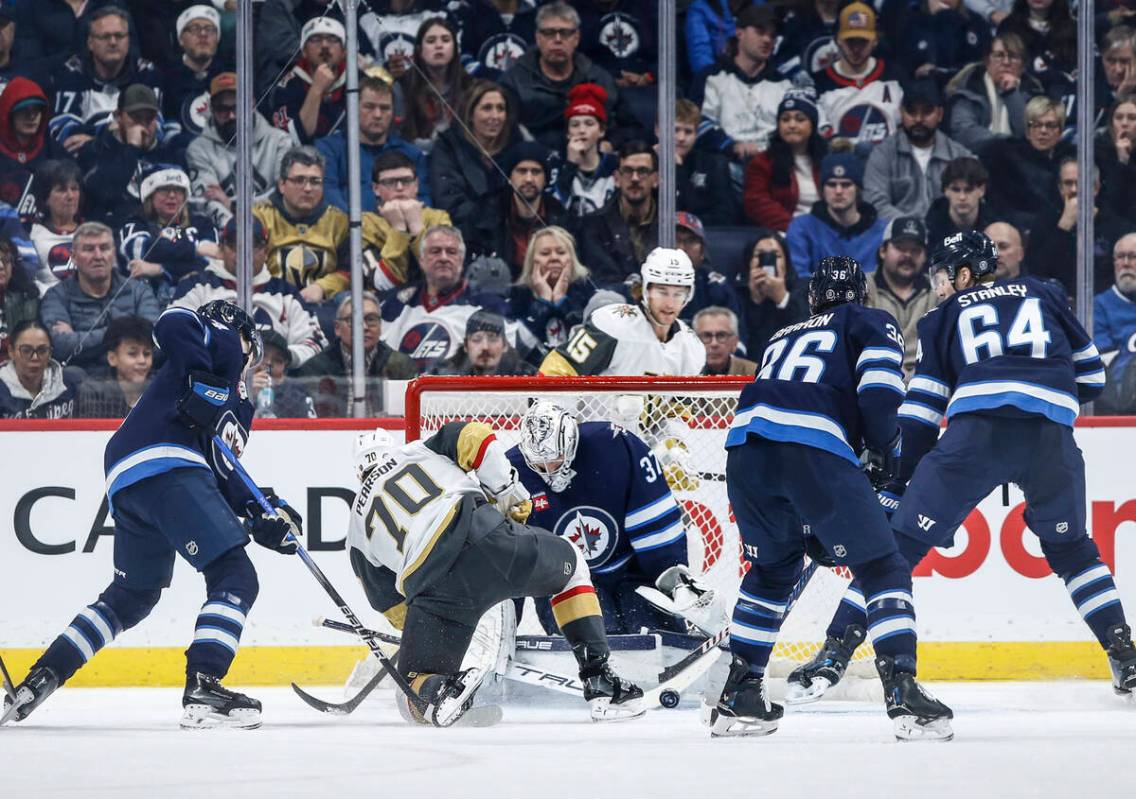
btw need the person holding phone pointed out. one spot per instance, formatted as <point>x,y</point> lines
<point>767,293</point>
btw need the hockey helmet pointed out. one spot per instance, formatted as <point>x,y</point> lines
<point>667,267</point>
<point>367,448</point>
<point>549,435</point>
<point>837,280</point>
<point>972,249</point>
<point>234,316</point>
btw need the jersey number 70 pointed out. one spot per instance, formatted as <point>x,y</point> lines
<point>405,506</point>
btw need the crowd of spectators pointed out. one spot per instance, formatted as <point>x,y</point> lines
<point>510,176</point>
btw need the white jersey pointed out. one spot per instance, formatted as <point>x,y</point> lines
<point>620,340</point>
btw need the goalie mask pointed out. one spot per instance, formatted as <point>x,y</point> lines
<point>367,450</point>
<point>549,435</point>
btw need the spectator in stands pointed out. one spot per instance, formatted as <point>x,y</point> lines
<point>51,32</point>
<point>616,239</point>
<point>390,28</point>
<point>376,115</point>
<point>1011,251</point>
<point>19,300</point>
<point>904,172</point>
<point>425,98</point>
<point>859,94</point>
<point>841,223</point>
<point>59,200</point>
<point>212,156</point>
<point>307,237</point>
<point>808,38</point>
<point>988,99</point>
<point>585,179</point>
<point>330,372</point>
<point>485,350</point>
<point>77,311</point>
<point>186,82</point>
<point>1114,329</point>
<point>112,162</point>
<point>1054,243</point>
<point>993,11</point>
<point>426,319</point>
<point>740,95</point>
<point>553,290</point>
<point>1023,172</point>
<point>709,28</point>
<point>393,232</point>
<point>963,205</point>
<point>13,230</point>
<point>900,285</point>
<point>111,392</point>
<point>290,397</point>
<point>33,385</point>
<point>164,242</point>
<point>541,78</point>
<point>717,328</point>
<point>783,182</point>
<point>1113,154</point>
<point>940,38</point>
<point>1041,25</point>
<point>619,36</point>
<point>310,100</point>
<point>10,65</point>
<point>768,293</point>
<point>464,173</point>
<point>1116,75</point>
<point>87,85</point>
<point>276,304</point>
<point>24,143</point>
<point>702,178</point>
<point>710,285</point>
<point>495,34</point>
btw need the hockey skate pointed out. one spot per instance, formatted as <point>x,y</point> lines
<point>916,714</point>
<point>209,705</point>
<point>610,697</point>
<point>744,707</point>
<point>808,683</point>
<point>30,694</point>
<point>1122,660</point>
<point>448,701</point>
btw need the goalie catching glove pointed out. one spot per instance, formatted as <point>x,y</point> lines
<point>278,531</point>
<point>679,592</point>
<point>502,485</point>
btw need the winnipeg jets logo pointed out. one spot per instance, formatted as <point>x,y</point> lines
<point>619,36</point>
<point>592,530</point>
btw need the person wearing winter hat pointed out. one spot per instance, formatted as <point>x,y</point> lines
<point>186,81</point>
<point>841,223</point>
<point>485,350</point>
<point>586,178</point>
<point>310,100</point>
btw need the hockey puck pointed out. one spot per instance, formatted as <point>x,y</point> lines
<point>669,699</point>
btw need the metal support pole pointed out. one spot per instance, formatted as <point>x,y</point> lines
<point>354,210</point>
<point>668,59</point>
<point>1086,105</point>
<point>246,108</point>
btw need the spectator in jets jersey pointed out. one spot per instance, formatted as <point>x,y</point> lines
<point>495,34</point>
<point>552,293</point>
<point>310,100</point>
<point>585,178</point>
<point>58,188</point>
<point>1114,329</point>
<point>185,82</point>
<point>484,351</point>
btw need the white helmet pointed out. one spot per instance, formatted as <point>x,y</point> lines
<point>668,267</point>
<point>367,449</point>
<point>550,434</point>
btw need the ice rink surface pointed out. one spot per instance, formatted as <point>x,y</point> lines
<point>1069,739</point>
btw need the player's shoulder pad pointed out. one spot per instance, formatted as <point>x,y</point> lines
<point>618,316</point>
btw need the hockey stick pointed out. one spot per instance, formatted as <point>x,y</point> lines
<point>321,578</point>
<point>347,707</point>
<point>9,688</point>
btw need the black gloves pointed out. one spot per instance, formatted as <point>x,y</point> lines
<point>203,400</point>
<point>278,531</point>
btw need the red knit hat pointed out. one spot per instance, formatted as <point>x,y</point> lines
<point>586,100</point>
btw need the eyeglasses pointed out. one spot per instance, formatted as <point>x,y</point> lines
<point>110,37</point>
<point>223,109</point>
<point>199,30</point>
<point>1039,125</point>
<point>397,183</point>
<point>715,335</point>
<point>557,33</point>
<point>370,319</point>
<point>300,180</point>
<point>1002,55</point>
<point>636,171</point>
<point>29,352</point>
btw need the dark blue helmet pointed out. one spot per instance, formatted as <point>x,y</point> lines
<point>837,280</point>
<point>235,317</point>
<point>972,249</point>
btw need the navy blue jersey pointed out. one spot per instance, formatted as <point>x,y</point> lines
<point>832,382</point>
<point>1011,348</point>
<point>618,509</point>
<point>154,438</point>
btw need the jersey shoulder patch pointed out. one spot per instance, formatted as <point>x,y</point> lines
<point>616,320</point>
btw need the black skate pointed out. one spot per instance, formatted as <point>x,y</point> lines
<point>40,683</point>
<point>1122,660</point>
<point>209,705</point>
<point>447,700</point>
<point>744,707</point>
<point>609,696</point>
<point>808,683</point>
<point>916,714</point>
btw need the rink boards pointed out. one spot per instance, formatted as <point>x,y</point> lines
<point>988,607</point>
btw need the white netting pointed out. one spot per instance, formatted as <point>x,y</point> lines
<point>685,422</point>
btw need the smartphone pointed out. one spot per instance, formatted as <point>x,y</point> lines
<point>768,262</point>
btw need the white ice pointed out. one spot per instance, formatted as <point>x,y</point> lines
<point>1068,739</point>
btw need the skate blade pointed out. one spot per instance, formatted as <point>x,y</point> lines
<point>205,717</point>
<point>910,728</point>
<point>482,716</point>
<point>454,708</point>
<point>799,694</point>
<point>740,726</point>
<point>603,711</point>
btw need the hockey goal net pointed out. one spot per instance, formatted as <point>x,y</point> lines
<point>684,421</point>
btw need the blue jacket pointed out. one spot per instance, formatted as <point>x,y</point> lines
<point>815,235</point>
<point>334,149</point>
<point>1114,327</point>
<point>709,25</point>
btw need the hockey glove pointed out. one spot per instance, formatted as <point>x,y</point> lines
<point>279,531</point>
<point>882,466</point>
<point>203,400</point>
<point>889,496</point>
<point>691,598</point>
<point>510,496</point>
